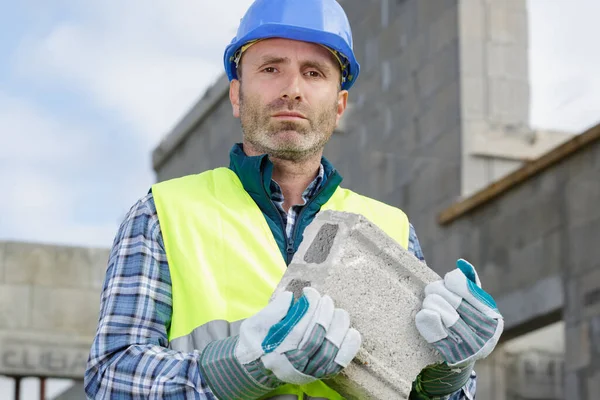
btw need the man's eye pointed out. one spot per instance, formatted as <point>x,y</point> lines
<point>314,74</point>
<point>269,69</point>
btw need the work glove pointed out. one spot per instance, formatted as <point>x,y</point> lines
<point>462,322</point>
<point>286,342</point>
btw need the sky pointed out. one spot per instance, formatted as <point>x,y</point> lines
<point>89,88</point>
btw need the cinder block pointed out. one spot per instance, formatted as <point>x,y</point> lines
<point>24,261</point>
<point>15,306</point>
<point>381,285</point>
<point>593,385</point>
<point>38,264</point>
<point>65,310</point>
<point>98,264</point>
<point>577,351</point>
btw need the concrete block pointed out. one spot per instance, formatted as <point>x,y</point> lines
<point>24,261</point>
<point>593,385</point>
<point>577,350</point>
<point>38,264</point>
<point>98,264</point>
<point>507,61</point>
<point>15,306</point>
<point>572,311</point>
<point>474,98</point>
<point>71,269</point>
<point>444,30</point>
<point>573,386</point>
<point>65,310</point>
<point>385,13</point>
<point>471,20</point>
<point>381,285</point>
<point>581,201</point>
<point>536,300</point>
<point>590,293</point>
<point>584,252</point>
<point>474,175</point>
<point>508,101</point>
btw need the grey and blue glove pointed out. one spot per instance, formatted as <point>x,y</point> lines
<point>286,342</point>
<point>462,322</point>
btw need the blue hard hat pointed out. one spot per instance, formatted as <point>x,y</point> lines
<point>316,21</point>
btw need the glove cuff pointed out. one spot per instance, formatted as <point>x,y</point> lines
<point>441,380</point>
<point>229,379</point>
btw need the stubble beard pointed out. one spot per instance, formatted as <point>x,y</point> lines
<point>263,133</point>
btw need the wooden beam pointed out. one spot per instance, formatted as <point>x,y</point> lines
<point>519,176</point>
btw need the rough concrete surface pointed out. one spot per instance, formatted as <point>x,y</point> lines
<point>381,286</point>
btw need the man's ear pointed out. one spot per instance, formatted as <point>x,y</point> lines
<point>342,103</point>
<point>234,97</point>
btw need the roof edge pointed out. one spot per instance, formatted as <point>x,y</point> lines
<point>527,171</point>
<point>189,121</point>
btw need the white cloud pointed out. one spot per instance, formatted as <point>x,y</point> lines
<point>140,63</point>
<point>38,156</point>
<point>147,63</point>
<point>563,64</point>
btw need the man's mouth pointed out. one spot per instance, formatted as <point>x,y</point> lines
<point>289,115</point>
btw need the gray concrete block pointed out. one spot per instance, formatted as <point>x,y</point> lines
<point>38,264</point>
<point>533,301</point>
<point>71,269</point>
<point>584,251</point>
<point>508,101</point>
<point>444,30</point>
<point>507,61</point>
<point>65,310</point>
<point>381,285</point>
<point>471,20</point>
<point>589,299</point>
<point>24,261</point>
<point>15,306</point>
<point>593,385</point>
<point>581,201</point>
<point>98,259</point>
<point>577,349</point>
<point>573,386</point>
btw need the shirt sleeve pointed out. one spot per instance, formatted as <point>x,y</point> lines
<point>467,392</point>
<point>129,357</point>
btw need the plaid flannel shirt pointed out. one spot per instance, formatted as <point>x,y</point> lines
<point>129,357</point>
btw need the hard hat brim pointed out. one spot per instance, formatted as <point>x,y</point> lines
<point>284,31</point>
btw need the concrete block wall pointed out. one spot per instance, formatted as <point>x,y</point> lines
<point>536,249</point>
<point>494,84</point>
<point>403,142</point>
<point>49,303</point>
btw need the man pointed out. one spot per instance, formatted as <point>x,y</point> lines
<point>185,309</point>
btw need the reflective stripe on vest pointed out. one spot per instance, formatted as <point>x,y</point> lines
<point>224,261</point>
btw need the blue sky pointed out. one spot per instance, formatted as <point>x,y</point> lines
<point>87,90</point>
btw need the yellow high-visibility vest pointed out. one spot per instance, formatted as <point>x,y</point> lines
<point>225,263</point>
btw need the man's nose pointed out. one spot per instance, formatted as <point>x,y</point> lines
<point>292,89</point>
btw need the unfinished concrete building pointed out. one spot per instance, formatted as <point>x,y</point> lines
<point>438,126</point>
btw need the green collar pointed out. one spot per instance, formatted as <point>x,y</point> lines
<point>255,173</point>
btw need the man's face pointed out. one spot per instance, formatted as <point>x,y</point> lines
<point>288,98</point>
